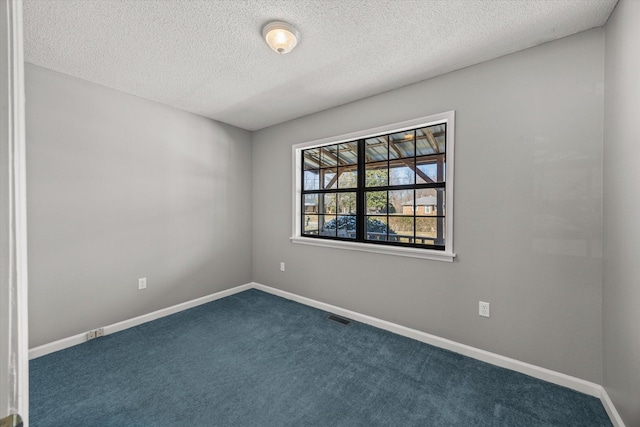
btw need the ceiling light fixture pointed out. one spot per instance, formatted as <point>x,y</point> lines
<point>281,36</point>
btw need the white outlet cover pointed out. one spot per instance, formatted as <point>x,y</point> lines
<point>142,283</point>
<point>484,309</point>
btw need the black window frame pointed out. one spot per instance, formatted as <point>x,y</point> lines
<point>361,189</point>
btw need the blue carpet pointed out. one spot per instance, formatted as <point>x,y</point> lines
<point>254,359</point>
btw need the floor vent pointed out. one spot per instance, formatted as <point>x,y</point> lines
<point>339,319</point>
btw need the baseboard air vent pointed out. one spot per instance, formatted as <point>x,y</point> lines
<point>339,319</point>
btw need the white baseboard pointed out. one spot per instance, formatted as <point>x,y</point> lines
<point>126,324</point>
<point>611,409</point>
<point>544,374</point>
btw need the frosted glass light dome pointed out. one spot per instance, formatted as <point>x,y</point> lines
<point>281,36</point>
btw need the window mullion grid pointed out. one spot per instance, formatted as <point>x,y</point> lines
<point>440,221</point>
<point>386,209</point>
<point>302,209</point>
<point>361,191</point>
<point>360,194</point>
<point>415,181</point>
<point>303,199</point>
<point>387,190</point>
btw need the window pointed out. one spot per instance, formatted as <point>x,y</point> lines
<point>386,190</point>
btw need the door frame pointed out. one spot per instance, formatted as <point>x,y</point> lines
<point>14,359</point>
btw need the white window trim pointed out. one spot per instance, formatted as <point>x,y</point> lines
<point>446,255</point>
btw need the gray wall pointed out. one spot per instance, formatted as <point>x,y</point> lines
<point>121,188</point>
<point>528,199</point>
<point>621,289</point>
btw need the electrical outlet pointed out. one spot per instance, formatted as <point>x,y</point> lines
<point>96,333</point>
<point>142,283</point>
<point>484,309</point>
<point>282,266</point>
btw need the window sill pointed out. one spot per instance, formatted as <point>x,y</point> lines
<point>378,249</point>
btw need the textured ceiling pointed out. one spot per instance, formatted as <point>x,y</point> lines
<point>209,58</point>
